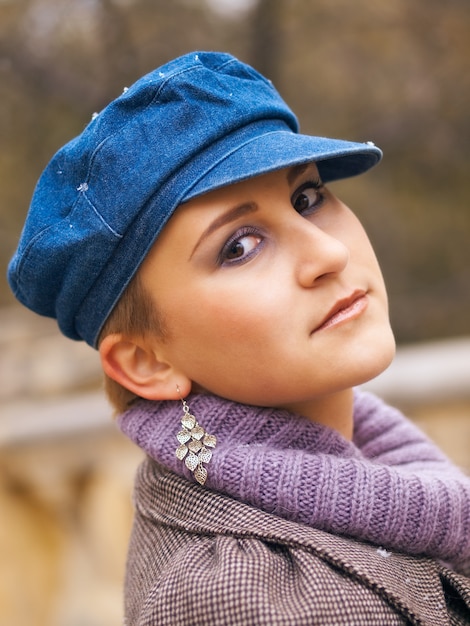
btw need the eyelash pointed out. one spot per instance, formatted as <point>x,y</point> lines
<point>318,187</point>
<point>248,231</point>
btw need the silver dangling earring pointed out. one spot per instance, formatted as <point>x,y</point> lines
<point>194,444</point>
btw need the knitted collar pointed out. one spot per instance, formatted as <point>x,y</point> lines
<point>390,486</point>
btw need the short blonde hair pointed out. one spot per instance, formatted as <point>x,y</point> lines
<point>135,315</point>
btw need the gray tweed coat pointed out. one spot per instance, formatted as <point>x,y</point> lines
<point>199,558</point>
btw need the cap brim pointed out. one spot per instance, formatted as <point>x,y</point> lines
<point>335,158</point>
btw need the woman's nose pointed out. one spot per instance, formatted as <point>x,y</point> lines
<point>318,254</point>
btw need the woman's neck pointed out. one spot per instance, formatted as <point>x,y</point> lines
<point>333,410</point>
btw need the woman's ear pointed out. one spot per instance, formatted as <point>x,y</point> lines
<point>136,366</point>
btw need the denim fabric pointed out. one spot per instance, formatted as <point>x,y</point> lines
<point>200,122</point>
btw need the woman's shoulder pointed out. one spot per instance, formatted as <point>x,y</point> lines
<point>198,557</point>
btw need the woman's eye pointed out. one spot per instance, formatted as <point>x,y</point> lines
<point>308,197</point>
<point>240,248</point>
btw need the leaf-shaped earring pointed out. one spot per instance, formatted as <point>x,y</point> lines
<point>195,444</point>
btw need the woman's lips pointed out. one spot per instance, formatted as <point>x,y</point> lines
<point>345,310</point>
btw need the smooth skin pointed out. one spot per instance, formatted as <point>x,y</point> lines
<point>271,295</point>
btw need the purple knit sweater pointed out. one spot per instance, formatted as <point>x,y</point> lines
<point>390,485</point>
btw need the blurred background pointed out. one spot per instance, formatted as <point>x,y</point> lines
<point>396,73</point>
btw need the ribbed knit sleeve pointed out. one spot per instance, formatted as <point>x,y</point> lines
<point>384,487</point>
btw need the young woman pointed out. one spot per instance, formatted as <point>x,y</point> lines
<point>237,304</point>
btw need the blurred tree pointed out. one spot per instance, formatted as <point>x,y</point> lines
<point>267,39</point>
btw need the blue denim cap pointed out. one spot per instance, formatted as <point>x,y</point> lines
<point>200,122</point>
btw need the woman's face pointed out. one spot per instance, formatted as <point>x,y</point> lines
<point>270,292</point>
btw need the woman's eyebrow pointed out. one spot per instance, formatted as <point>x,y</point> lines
<point>229,216</point>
